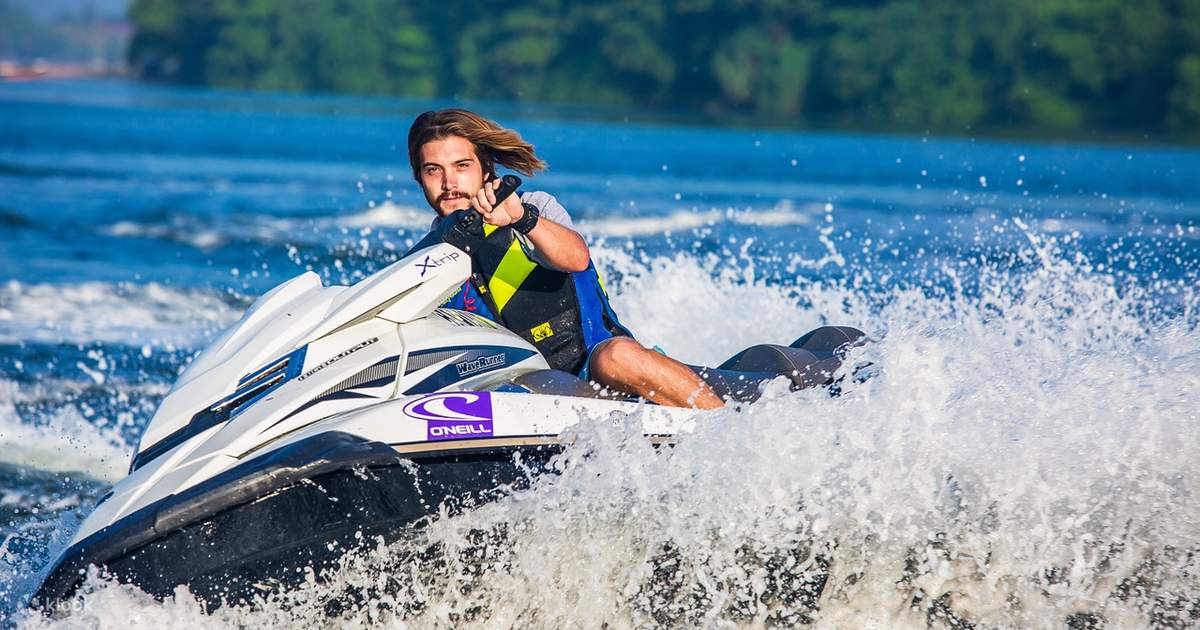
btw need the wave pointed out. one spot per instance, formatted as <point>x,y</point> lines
<point>685,221</point>
<point>13,219</point>
<point>1021,460</point>
<point>131,314</point>
<point>186,232</point>
<point>208,233</point>
<point>54,464</point>
<point>63,441</point>
<point>384,215</point>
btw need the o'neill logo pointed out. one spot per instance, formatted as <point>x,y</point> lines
<point>453,415</point>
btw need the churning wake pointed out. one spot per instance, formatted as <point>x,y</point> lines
<point>1021,456</point>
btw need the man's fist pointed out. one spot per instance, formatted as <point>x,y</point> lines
<point>484,203</point>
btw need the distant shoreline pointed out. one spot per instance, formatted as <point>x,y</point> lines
<point>39,69</point>
<point>377,104</point>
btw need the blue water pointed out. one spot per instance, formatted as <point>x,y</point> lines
<point>136,220</point>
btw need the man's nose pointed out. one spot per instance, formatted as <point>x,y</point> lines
<point>449,181</point>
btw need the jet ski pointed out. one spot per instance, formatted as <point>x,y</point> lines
<point>331,415</point>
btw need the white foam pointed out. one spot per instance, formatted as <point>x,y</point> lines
<point>98,311</point>
<point>1023,452</point>
<point>683,221</point>
<point>386,214</point>
<point>641,226</point>
<point>211,233</point>
<point>195,235</point>
<point>207,234</point>
<point>1033,431</point>
<point>110,605</point>
<point>62,442</point>
<point>703,311</point>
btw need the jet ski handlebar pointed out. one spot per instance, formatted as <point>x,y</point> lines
<point>508,185</point>
<point>465,226</point>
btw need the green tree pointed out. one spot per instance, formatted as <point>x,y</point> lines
<point>172,39</point>
<point>1060,66</point>
<point>1183,113</point>
<point>763,69</point>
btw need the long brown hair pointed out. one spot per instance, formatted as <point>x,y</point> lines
<point>493,144</point>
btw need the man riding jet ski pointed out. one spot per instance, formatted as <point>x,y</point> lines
<point>534,273</point>
<point>329,418</point>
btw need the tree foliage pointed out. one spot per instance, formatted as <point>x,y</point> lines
<point>1069,66</point>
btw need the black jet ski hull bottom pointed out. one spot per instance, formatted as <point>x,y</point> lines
<point>358,492</point>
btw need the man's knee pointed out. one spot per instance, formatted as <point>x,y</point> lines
<point>617,355</point>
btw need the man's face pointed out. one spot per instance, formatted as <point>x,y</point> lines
<point>450,174</point>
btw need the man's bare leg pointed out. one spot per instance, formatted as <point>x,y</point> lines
<point>625,365</point>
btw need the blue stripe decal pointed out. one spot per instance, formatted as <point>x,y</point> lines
<point>475,360</point>
<point>345,389</point>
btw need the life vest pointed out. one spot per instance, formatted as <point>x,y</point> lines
<point>564,315</point>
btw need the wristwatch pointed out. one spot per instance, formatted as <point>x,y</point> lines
<point>526,223</point>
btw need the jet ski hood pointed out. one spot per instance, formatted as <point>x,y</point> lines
<point>296,313</point>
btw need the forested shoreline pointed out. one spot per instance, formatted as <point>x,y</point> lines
<point>1057,67</point>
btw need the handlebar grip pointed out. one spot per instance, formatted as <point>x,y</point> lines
<point>467,225</point>
<point>508,185</point>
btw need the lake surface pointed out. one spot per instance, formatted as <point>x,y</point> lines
<point>1026,456</point>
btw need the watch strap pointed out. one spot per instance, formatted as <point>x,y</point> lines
<point>528,220</point>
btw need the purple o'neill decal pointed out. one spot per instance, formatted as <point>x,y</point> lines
<point>453,415</point>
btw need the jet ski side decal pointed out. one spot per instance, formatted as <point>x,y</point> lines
<point>466,361</point>
<point>380,374</point>
<point>453,415</point>
<point>337,357</point>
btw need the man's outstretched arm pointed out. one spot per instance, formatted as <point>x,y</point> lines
<point>558,245</point>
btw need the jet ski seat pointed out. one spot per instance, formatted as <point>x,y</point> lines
<point>809,361</point>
